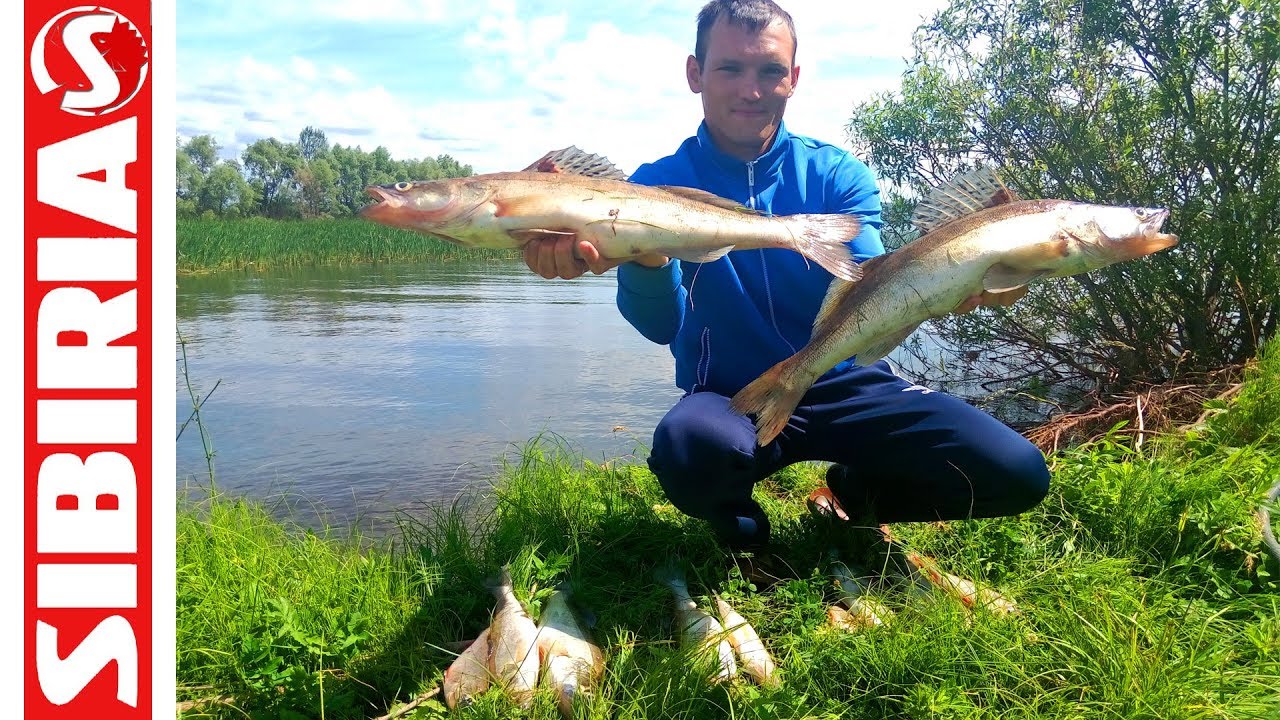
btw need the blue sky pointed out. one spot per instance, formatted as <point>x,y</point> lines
<point>496,83</point>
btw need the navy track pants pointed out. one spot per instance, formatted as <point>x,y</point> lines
<point>912,455</point>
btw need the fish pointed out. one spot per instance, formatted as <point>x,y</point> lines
<point>513,652</point>
<point>699,632</point>
<point>966,591</point>
<point>978,236</point>
<point>571,661</point>
<point>863,612</point>
<point>563,194</point>
<point>753,656</point>
<point>468,674</point>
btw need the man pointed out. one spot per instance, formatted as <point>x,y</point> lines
<point>902,452</point>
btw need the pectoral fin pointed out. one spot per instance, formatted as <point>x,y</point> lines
<point>531,234</point>
<point>1002,277</point>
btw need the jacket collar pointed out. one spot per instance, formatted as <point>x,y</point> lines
<point>767,163</point>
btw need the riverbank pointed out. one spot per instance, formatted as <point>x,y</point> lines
<point>1144,587</point>
<point>208,245</point>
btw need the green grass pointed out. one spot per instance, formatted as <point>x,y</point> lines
<point>1144,587</point>
<point>209,244</point>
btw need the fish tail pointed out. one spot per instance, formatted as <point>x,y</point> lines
<point>825,240</point>
<point>499,582</point>
<point>771,398</point>
<point>671,574</point>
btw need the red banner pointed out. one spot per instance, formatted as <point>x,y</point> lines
<point>88,546</point>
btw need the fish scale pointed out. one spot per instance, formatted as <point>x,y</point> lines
<point>623,220</point>
<point>1000,248</point>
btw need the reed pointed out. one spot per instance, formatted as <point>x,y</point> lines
<point>214,244</point>
<point>1144,589</point>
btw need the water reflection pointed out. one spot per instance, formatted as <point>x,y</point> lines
<point>367,388</point>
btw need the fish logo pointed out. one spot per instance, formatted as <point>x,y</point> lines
<point>94,55</point>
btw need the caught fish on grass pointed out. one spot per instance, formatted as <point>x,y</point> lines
<point>978,237</point>
<point>572,663</point>
<point>967,592</point>
<point>700,633</point>
<point>753,657</point>
<point>863,612</point>
<point>468,674</point>
<point>513,652</point>
<point>562,194</point>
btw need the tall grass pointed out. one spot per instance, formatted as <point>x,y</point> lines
<point>212,244</point>
<point>1144,589</point>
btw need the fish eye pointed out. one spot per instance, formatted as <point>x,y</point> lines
<point>403,186</point>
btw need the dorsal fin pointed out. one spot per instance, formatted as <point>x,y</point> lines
<point>572,160</point>
<point>703,196</point>
<point>960,196</point>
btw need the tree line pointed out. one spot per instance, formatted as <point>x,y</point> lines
<point>1119,102</point>
<point>305,179</point>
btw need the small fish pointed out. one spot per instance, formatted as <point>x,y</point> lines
<point>966,591</point>
<point>468,674</point>
<point>570,660</point>
<point>513,652</point>
<point>752,654</point>
<point>699,631</point>
<point>978,237</point>
<point>559,196</point>
<point>863,611</point>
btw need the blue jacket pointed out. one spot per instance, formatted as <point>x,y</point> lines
<point>729,320</point>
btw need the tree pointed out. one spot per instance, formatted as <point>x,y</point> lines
<point>225,192</point>
<point>271,166</point>
<point>317,182</point>
<point>1125,102</point>
<point>203,151</point>
<point>312,143</point>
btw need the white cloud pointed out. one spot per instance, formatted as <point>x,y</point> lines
<point>535,82</point>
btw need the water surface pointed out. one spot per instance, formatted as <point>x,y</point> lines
<point>373,387</point>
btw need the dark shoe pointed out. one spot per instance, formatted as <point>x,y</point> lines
<point>745,534</point>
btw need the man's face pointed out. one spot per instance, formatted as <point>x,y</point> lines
<point>745,81</point>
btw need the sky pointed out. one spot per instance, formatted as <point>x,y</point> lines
<point>497,83</point>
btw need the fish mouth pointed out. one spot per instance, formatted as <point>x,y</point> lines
<point>381,194</point>
<point>1153,239</point>
<point>386,201</point>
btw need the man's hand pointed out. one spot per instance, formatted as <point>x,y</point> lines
<point>555,258</point>
<point>1003,299</point>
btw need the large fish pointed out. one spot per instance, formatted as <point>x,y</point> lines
<point>571,662</point>
<point>753,657</point>
<point>468,674</point>
<point>700,633</point>
<point>513,652</point>
<point>863,612</point>
<point>966,591</point>
<point>978,236</point>
<point>624,220</point>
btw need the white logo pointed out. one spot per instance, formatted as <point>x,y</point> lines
<point>95,55</point>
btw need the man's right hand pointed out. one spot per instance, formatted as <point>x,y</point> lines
<point>555,258</point>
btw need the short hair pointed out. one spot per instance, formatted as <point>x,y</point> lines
<point>754,15</point>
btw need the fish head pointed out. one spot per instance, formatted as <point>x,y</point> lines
<point>1106,234</point>
<point>431,206</point>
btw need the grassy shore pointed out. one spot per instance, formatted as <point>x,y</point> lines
<point>209,244</point>
<point>1144,588</point>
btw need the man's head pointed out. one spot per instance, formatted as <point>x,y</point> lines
<point>744,67</point>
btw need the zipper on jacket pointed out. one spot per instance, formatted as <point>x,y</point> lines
<point>751,184</point>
